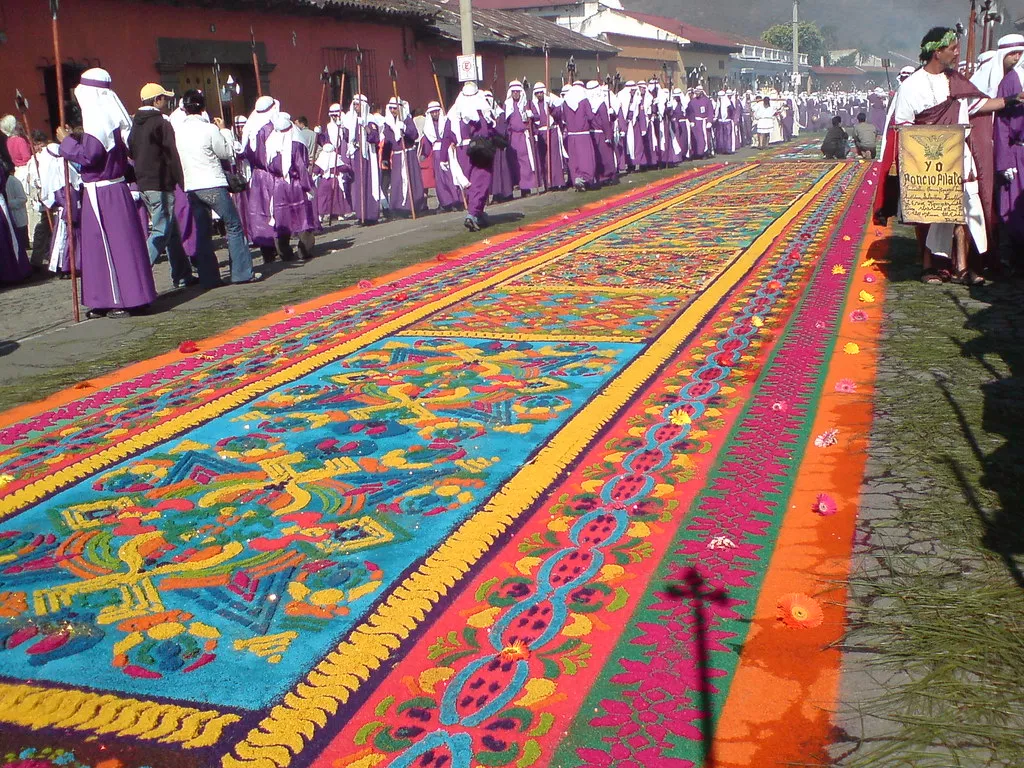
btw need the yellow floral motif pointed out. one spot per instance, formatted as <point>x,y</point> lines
<point>851,348</point>
<point>838,269</point>
<point>680,417</point>
<point>866,297</point>
<point>757,322</point>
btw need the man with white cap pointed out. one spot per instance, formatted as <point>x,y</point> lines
<point>157,173</point>
<point>725,125</point>
<point>116,275</point>
<point>606,168</point>
<point>636,125</point>
<point>333,191</point>
<point>469,132</point>
<point>1009,147</point>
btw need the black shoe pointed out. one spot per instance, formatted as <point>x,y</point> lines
<point>472,224</point>
<point>119,314</point>
<point>188,282</point>
<point>94,314</point>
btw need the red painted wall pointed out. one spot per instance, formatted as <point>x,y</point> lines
<point>121,37</point>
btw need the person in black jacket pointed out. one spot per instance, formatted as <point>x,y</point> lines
<point>157,173</point>
<point>835,146</point>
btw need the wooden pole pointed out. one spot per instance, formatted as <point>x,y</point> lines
<point>971,39</point>
<point>547,111</point>
<point>216,85</point>
<point>361,139</point>
<point>68,199</point>
<point>325,78</point>
<point>255,63</point>
<point>337,181</point>
<point>401,142</point>
<point>440,100</point>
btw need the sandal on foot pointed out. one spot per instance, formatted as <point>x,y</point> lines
<point>931,276</point>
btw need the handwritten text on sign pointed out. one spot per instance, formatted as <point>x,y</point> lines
<point>932,174</point>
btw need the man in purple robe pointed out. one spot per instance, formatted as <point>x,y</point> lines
<point>363,135</point>
<point>636,126</point>
<point>725,125</point>
<point>288,164</point>
<point>449,195</point>
<point>877,109</point>
<point>504,168</point>
<point>400,139</point>
<point>470,132</point>
<point>700,112</point>
<point>333,191</point>
<point>606,167</point>
<point>1009,148</point>
<point>522,147</point>
<point>549,139</point>
<point>116,275</point>
<point>578,118</point>
<point>259,198</point>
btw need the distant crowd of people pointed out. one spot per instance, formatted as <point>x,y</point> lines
<point>129,190</point>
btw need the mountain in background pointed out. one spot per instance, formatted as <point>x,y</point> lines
<point>874,26</point>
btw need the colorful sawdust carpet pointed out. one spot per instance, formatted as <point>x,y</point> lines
<point>513,508</point>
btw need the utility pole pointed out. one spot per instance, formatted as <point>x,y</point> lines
<point>796,44</point>
<point>466,18</point>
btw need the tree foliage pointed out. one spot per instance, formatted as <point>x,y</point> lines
<point>811,41</point>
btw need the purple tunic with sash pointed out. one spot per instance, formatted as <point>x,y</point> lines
<point>365,204</point>
<point>260,195</point>
<point>115,261</point>
<point>502,173</point>
<point>549,148</point>
<point>700,112</point>
<point>479,175</point>
<point>607,168</point>
<point>523,149</point>
<point>333,192</point>
<point>447,191</point>
<point>405,168</point>
<point>293,210</point>
<point>580,143</point>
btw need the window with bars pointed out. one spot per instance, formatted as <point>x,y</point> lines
<point>343,60</point>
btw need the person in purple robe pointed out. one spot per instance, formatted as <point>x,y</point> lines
<point>579,122</point>
<point>470,132</point>
<point>700,112</point>
<point>550,162</point>
<point>116,275</point>
<point>787,118</point>
<point>259,198</point>
<point>400,139</point>
<point>677,144</point>
<point>636,126</point>
<point>725,125</point>
<point>449,194</point>
<point>606,167</point>
<point>1009,149</point>
<point>363,135</point>
<point>877,109</point>
<point>288,164</point>
<point>522,145</point>
<point>504,170</point>
<point>333,190</point>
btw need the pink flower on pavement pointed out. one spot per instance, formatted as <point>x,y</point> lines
<point>825,505</point>
<point>827,439</point>
<point>869,278</point>
<point>858,316</point>
<point>780,405</point>
<point>846,386</point>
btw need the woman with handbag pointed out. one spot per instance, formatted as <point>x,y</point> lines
<point>202,146</point>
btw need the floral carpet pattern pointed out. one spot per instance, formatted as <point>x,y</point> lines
<point>512,508</point>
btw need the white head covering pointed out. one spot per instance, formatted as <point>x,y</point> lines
<point>8,125</point>
<point>906,72</point>
<point>594,95</point>
<point>468,106</point>
<point>264,112</point>
<point>989,73</point>
<point>103,114</point>
<point>575,95</point>
<point>280,142</point>
<point>515,98</point>
<point>397,122</point>
<point>432,132</point>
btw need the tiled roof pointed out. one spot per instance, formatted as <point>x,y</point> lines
<point>515,30</point>
<point>515,5</point>
<point>696,35</point>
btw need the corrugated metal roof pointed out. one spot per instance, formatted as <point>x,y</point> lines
<point>515,30</point>
<point>512,5</point>
<point>696,35</point>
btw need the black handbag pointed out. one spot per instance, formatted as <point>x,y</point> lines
<point>236,182</point>
<point>481,151</point>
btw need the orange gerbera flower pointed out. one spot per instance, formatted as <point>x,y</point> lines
<point>800,611</point>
